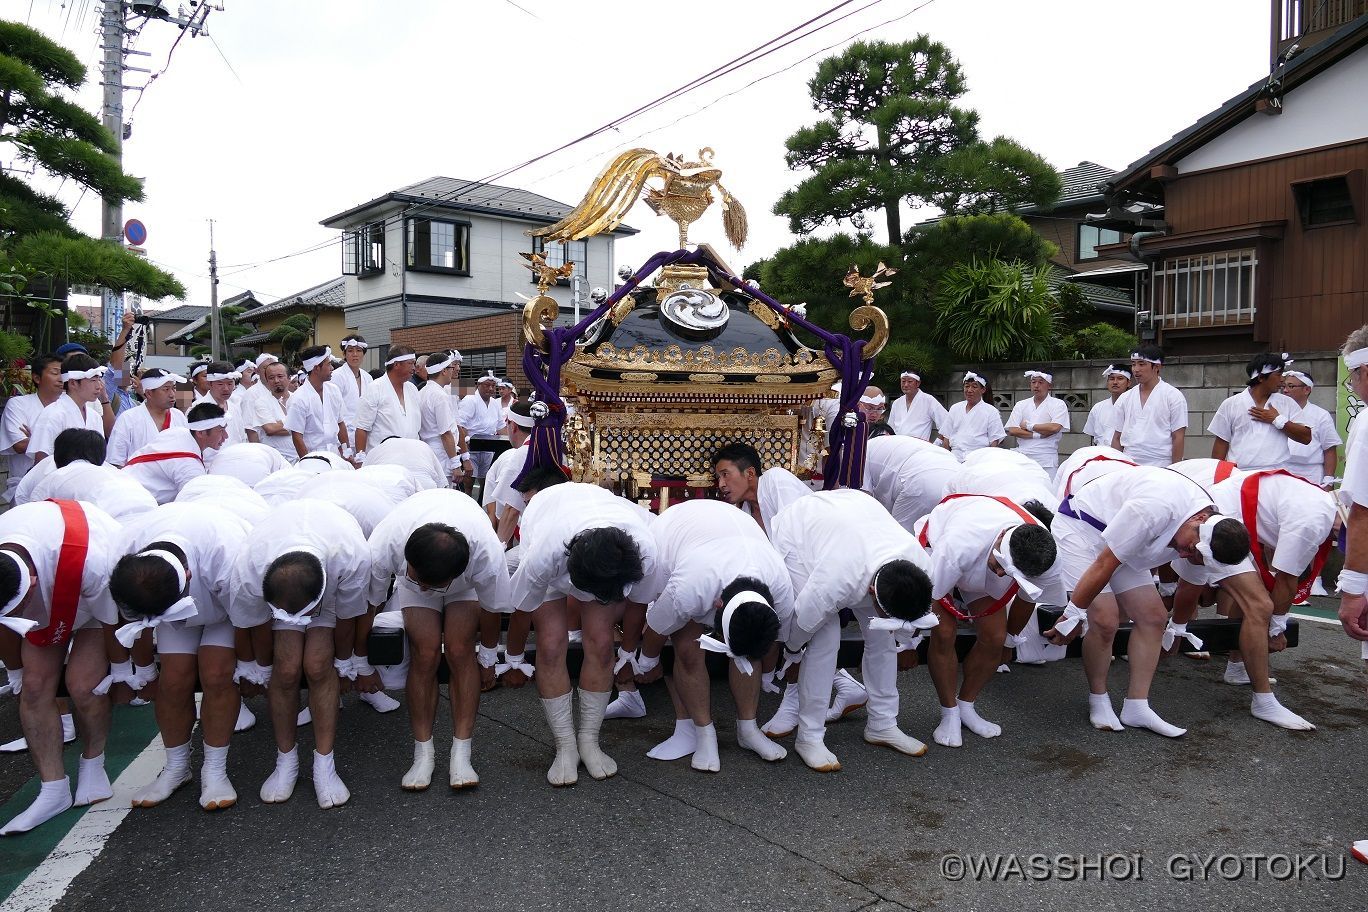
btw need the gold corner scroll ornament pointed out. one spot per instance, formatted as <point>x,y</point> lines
<point>685,193</point>
<point>540,312</point>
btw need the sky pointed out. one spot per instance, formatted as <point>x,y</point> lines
<point>288,113</point>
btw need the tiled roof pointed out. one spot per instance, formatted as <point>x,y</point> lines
<point>1080,182</point>
<point>330,295</point>
<point>185,313</point>
<point>185,332</point>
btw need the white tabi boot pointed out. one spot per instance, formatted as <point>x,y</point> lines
<point>591,707</point>
<point>560,718</point>
<point>419,776</point>
<point>463,775</point>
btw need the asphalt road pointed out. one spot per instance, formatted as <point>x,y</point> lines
<point>884,833</point>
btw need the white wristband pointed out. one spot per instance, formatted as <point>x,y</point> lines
<point>1280,422</point>
<point>1277,625</point>
<point>453,462</point>
<point>345,668</point>
<point>465,457</point>
<point>624,658</point>
<point>487,656</point>
<point>1071,618</point>
<point>1352,582</point>
<point>361,665</point>
<point>645,663</point>
<point>1328,480</point>
<point>143,675</point>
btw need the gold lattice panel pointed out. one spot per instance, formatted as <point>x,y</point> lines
<point>675,444</point>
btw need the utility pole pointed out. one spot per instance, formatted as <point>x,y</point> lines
<point>214,329</point>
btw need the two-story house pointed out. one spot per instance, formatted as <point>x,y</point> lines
<point>446,249</point>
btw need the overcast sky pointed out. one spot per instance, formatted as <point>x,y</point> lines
<point>307,108</point>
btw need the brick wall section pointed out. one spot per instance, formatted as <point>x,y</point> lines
<point>500,330</point>
<point>1206,382</point>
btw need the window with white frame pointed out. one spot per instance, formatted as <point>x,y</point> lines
<point>1206,289</point>
<point>438,245</point>
<point>557,254</point>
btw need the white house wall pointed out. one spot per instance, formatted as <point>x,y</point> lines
<point>1329,109</point>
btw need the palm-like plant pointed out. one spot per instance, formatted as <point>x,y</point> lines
<point>990,310</point>
<point>293,334</point>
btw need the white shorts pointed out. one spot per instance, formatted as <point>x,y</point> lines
<point>178,638</point>
<point>405,597</point>
<point>511,557</point>
<point>1079,545</point>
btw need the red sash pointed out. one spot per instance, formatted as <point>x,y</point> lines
<point>166,421</point>
<point>66,583</point>
<point>160,457</point>
<point>1223,470</point>
<point>948,603</point>
<point>1249,514</point>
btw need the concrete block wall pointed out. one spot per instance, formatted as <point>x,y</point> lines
<point>1206,381</point>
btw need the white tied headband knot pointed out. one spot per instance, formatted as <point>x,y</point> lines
<point>1113,370</point>
<point>154,383</point>
<point>231,375</point>
<point>908,634</point>
<point>1034,374</point>
<point>246,365</point>
<point>1207,529</point>
<point>1272,368</point>
<point>909,375</point>
<point>181,610</point>
<point>305,614</point>
<point>971,377</point>
<point>873,400</point>
<point>1298,375</point>
<point>1003,553</point>
<point>91,374</point>
<point>18,625</point>
<point>310,363</point>
<point>723,646</point>
<point>399,359</point>
<point>1136,356</point>
<point>354,343</point>
<point>265,359</point>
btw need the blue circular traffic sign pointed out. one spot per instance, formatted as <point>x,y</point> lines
<point>135,232</point>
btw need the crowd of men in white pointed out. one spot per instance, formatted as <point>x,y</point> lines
<point>250,545</point>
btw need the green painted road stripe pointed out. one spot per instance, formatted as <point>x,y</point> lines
<point>131,729</point>
<point>1315,611</point>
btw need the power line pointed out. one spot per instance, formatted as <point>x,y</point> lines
<point>203,12</point>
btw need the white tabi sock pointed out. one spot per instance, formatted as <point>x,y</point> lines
<point>19,745</point>
<point>592,703</point>
<point>750,737</point>
<point>560,718</point>
<point>380,701</point>
<point>175,773</point>
<point>850,695</point>
<point>328,787</point>
<point>53,798</point>
<point>1004,669</point>
<point>419,775</point>
<point>279,786</point>
<point>68,728</point>
<point>92,782</point>
<point>679,745</point>
<point>245,719</point>
<point>628,705</point>
<point>705,756</point>
<point>463,775</point>
<point>895,738</point>
<point>216,792</point>
<point>304,718</point>
<point>1235,673</point>
<point>948,733</point>
<point>816,756</point>
<point>1101,714</point>
<point>1266,707</point>
<point>785,719</point>
<point>976,723</point>
<point>1137,714</point>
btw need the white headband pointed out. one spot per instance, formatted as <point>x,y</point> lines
<point>1299,376</point>
<point>971,377</point>
<point>905,374</point>
<point>397,359</point>
<point>1003,553</point>
<point>173,561</point>
<point>231,375</point>
<point>1111,370</point>
<point>1136,356</point>
<point>247,365</point>
<point>723,646</point>
<point>439,366</point>
<point>152,383</point>
<point>198,369</point>
<point>507,384</point>
<point>522,421</point>
<point>206,424</point>
<point>84,375</point>
<point>304,616</point>
<point>1271,368</point>
<point>455,355</point>
<point>265,359</point>
<point>1356,359</point>
<point>915,629</point>
<point>488,376</point>
<point>310,363</point>
<point>354,343</point>
<point>873,400</point>
<point>1204,540</point>
<point>25,583</point>
<point>181,610</point>
<point>1033,374</point>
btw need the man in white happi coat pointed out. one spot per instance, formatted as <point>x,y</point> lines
<point>83,403</point>
<point>228,493</point>
<point>990,563</point>
<point>314,414</point>
<point>915,413</point>
<point>390,406</point>
<point>1039,422</point>
<point>222,382</point>
<point>1253,428</point>
<point>299,590</point>
<point>1318,460</point>
<point>176,456</point>
<point>176,580</point>
<point>1101,423</point>
<point>438,410</point>
<point>579,541</point>
<point>247,381</point>
<point>1289,520</point>
<point>504,505</point>
<point>438,556</point>
<point>1112,531</point>
<point>20,415</point>
<point>135,428</point>
<point>907,475</point>
<point>414,457</point>
<point>715,571</point>
<point>199,383</point>
<point>248,462</point>
<point>843,550</point>
<point>972,424</point>
<point>479,413</point>
<point>352,381</point>
<point>743,482</point>
<point>79,473</point>
<point>1152,416</point>
<point>508,394</point>
<point>55,560</point>
<point>1004,473</point>
<point>264,410</point>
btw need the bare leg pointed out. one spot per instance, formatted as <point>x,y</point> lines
<point>323,686</point>
<point>283,691</point>
<point>1147,612</point>
<point>461,621</point>
<point>424,629</point>
<point>1103,619</point>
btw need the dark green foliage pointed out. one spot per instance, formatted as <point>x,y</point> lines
<point>990,310</point>
<point>1099,340</point>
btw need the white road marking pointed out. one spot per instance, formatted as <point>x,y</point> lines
<point>1311,617</point>
<point>48,883</point>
